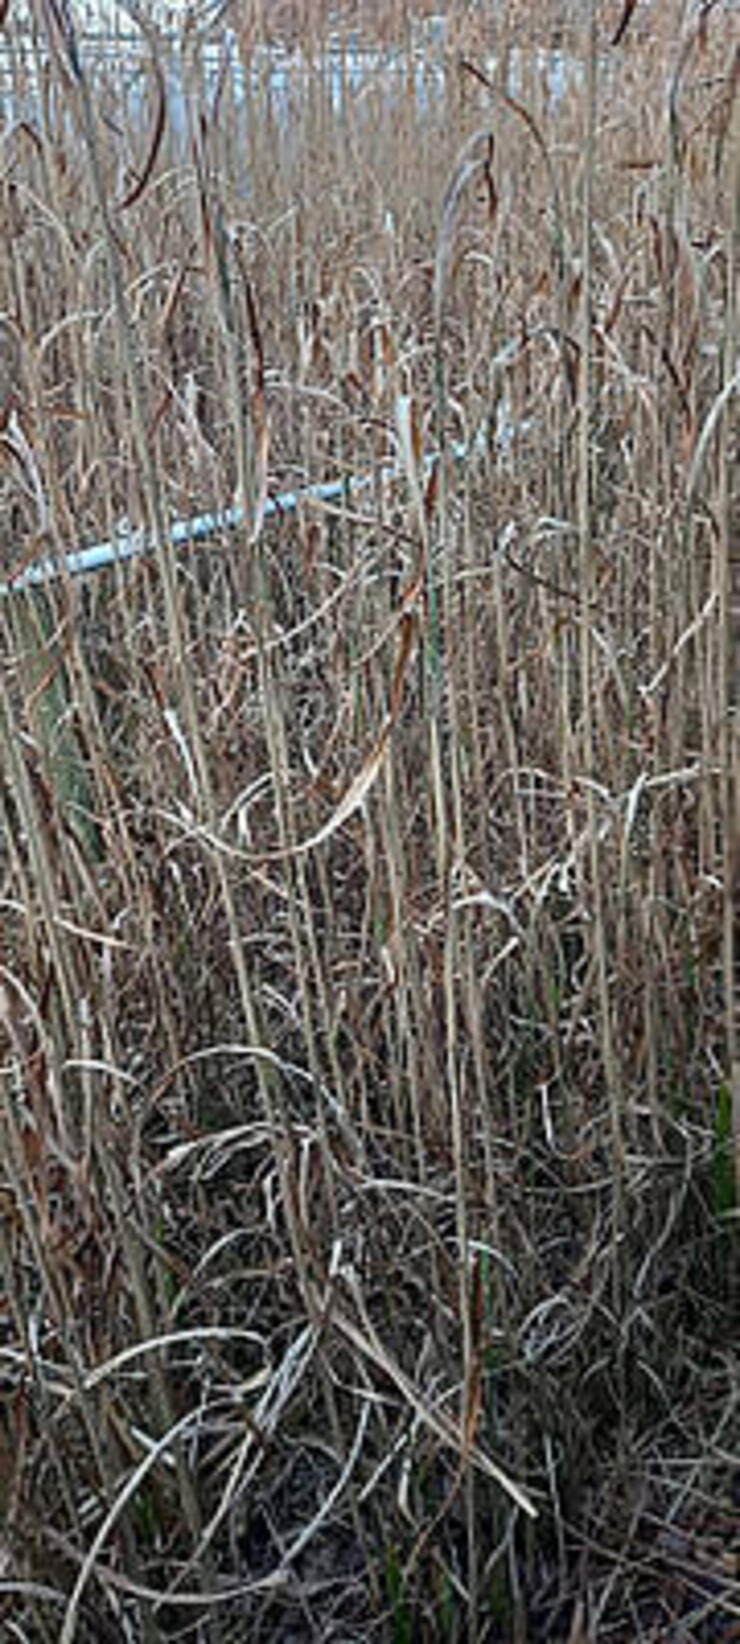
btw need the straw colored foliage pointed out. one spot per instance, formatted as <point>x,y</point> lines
<point>370,868</point>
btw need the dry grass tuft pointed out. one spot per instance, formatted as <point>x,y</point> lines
<point>370,1096</point>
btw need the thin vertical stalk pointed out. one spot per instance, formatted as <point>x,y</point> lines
<point>37,835</point>
<point>448,854</point>
<point>586,458</point>
<point>729,601</point>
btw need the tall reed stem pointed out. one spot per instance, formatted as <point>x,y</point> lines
<point>587,468</point>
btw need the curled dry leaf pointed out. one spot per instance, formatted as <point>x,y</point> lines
<point>360,786</point>
<point>160,121</point>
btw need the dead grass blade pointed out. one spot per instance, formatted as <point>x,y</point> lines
<point>624,22</point>
<point>359,788</point>
<point>475,160</point>
<point>522,113</point>
<point>367,1343</point>
<point>160,120</point>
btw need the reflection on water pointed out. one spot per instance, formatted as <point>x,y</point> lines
<point>345,69</point>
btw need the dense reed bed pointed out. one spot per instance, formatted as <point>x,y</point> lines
<point>369,874</point>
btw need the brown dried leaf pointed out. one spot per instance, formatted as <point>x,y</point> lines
<point>624,21</point>
<point>405,649</point>
<point>431,492</point>
<point>154,147</point>
<point>262,427</point>
<point>356,794</point>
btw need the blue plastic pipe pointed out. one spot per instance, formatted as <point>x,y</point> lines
<point>138,543</point>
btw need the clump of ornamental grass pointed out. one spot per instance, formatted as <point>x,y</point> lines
<point>368,1001</point>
